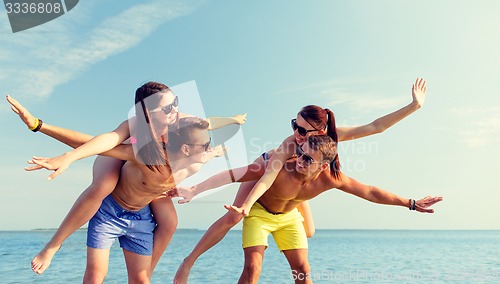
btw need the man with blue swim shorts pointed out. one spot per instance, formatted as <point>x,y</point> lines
<point>134,229</point>
<point>125,214</point>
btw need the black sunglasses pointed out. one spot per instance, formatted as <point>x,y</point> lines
<point>168,108</point>
<point>307,159</point>
<point>206,145</point>
<point>301,130</point>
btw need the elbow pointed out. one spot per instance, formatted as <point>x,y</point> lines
<point>378,127</point>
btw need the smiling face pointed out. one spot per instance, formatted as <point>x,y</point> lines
<point>167,108</point>
<point>309,161</point>
<point>302,129</point>
<point>191,140</point>
<point>163,109</point>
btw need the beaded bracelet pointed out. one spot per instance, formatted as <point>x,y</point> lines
<point>412,205</point>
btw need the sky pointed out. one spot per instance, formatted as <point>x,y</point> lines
<point>268,59</point>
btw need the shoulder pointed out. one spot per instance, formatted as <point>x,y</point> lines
<point>289,144</point>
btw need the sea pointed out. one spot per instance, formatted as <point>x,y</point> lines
<point>335,256</point>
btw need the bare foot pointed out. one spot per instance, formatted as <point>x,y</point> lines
<point>182,274</point>
<point>42,260</point>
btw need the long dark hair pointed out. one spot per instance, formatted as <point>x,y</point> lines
<point>151,150</point>
<point>320,118</point>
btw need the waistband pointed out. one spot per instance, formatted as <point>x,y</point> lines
<point>274,213</point>
<point>122,212</point>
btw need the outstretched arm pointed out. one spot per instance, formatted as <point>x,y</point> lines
<point>377,195</point>
<point>69,137</point>
<point>97,145</point>
<point>251,172</point>
<point>219,122</point>
<point>381,124</point>
<point>66,136</point>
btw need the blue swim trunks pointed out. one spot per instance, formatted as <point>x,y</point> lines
<point>134,229</point>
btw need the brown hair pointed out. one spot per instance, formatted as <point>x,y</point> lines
<point>320,118</point>
<point>328,149</point>
<point>183,134</point>
<point>153,152</point>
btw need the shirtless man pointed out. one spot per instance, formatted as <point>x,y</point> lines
<point>300,179</point>
<point>147,174</point>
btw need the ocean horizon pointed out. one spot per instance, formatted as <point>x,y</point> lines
<point>335,256</point>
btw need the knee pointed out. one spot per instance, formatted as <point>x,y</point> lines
<point>301,269</point>
<point>252,269</point>
<point>166,228</point>
<point>139,279</point>
<point>232,219</point>
<point>94,277</point>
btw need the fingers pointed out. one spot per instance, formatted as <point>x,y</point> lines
<point>231,208</point>
<point>420,84</point>
<point>422,210</point>
<point>41,162</point>
<point>14,104</point>
<point>244,212</point>
<point>55,174</point>
<point>15,110</point>
<point>172,192</point>
<point>33,168</point>
<point>424,203</point>
<point>183,201</point>
<point>236,209</point>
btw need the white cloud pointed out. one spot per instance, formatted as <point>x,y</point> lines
<point>342,92</point>
<point>34,62</point>
<point>362,102</point>
<point>482,126</point>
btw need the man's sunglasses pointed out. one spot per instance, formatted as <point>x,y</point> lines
<point>206,145</point>
<point>307,159</point>
<point>168,108</point>
<point>301,130</point>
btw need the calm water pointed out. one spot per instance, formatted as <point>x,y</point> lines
<point>335,255</point>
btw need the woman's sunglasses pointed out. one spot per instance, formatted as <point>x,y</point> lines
<point>301,130</point>
<point>168,108</point>
<point>206,145</point>
<point>306,158</point>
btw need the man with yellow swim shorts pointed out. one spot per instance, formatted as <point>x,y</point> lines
<point>286,228</point>
<point>274,209</point>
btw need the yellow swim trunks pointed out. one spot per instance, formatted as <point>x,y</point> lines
<point>287,229</point>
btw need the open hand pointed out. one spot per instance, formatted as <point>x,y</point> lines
<point>57,164</point>
<point>423,204</point>
<point>418,91</point>
<point>185,193</point>
<point>240,210</point>
<point>240,118</point>
<point>23,113</point>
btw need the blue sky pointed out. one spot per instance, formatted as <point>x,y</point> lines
<point>268,59</point>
